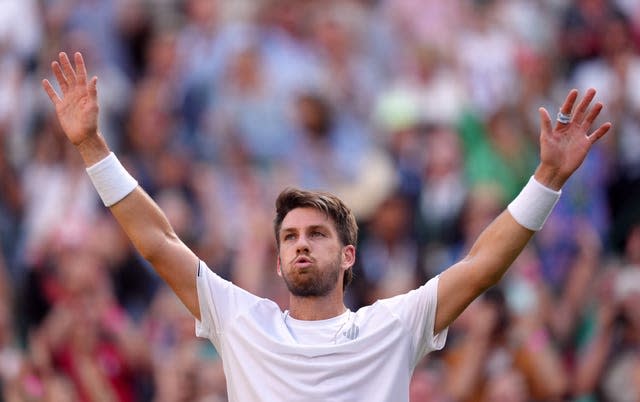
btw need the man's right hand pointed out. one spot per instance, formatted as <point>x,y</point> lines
<point>77,109</point>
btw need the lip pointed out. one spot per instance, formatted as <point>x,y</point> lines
<point>302,262</point>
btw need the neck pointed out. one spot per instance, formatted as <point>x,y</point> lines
<point>316,308</point>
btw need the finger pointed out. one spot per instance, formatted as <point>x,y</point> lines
<point>53,95</point>
<point>567,106</point>
<point>584,105</point>
<point>593,114</point>
<point>67,68</point>
<point>81,70</point>
<point>62,80</point>
<point>545,120</point>
<point>93,87</point>
<point>600,132</point>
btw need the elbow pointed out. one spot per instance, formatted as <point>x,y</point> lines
<point>154,249</point>
<point>149,254</point>
<point>485,274</point>
<point>491,280</point>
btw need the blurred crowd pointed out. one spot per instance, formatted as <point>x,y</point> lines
<point>421,114</point>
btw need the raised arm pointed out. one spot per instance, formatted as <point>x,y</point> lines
<point>563,148</point>
<point>144,223</point>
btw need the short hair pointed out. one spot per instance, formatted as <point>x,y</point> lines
<point>344,220</point>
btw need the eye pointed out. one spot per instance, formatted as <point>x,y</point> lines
<point>316,233</point>
<point>288,236</point>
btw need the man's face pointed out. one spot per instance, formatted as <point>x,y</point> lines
<point>311,259</point>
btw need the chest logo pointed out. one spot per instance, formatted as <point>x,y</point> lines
<point>352,332</point>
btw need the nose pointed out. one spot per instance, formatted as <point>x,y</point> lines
<point>302,245</point>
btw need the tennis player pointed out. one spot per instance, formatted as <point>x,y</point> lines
<point>318,350</point>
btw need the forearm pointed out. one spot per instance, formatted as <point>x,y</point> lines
<point>496,249</point>
<point>151,234</point>
<point>502,241</point>
<point>144,223</point>
<point>591,365</point>
<point>142,220</point>
<point>465,376</point>
<point>493,252</point>
<point>541,364</point>
<point>563,318</point>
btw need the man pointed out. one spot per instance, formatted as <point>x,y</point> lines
<point>318,350</point>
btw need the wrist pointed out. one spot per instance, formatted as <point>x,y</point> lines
<point>534,204</point>
<point>549,177</point>
<point>111,180</point>
<point>93,149</point>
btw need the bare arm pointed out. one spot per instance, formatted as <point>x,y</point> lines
<point>538,359</point>
<point>563,148</point>
<point>564,313</point>
<point>466,370</point>
<point>144,223</point>
<point>150,232</point>
<point>592,360</point>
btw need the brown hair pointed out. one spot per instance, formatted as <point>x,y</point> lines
<point>332,206</point>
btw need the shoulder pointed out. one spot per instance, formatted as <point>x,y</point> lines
<point>423,294</point>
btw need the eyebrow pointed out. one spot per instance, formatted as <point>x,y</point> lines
<point>312,227</point>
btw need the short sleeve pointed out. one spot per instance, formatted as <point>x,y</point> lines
<point>219,301</point>
<point>417,310</point>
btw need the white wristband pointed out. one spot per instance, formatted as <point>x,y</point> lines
<point>534,204</point>
<point>111,180</point>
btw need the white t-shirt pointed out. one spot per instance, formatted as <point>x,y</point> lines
<point>368,355</point>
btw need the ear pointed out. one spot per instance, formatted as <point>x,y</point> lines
<point>348,256</point>
<point>278,268</point>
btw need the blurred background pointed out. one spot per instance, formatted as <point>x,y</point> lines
<point>421,114</point>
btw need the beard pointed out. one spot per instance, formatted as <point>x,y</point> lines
<point>314,281</point>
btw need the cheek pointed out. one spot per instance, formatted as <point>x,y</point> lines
<point>282,255</point>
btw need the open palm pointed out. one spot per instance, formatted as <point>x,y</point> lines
<point>77,109</point>
<point>564,147</point>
